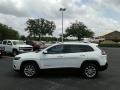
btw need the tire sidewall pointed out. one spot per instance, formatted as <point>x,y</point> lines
<point>35,67</point>
<point>85,66</point>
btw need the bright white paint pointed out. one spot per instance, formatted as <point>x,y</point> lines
<point>9,48</point>
<point>69,60</point>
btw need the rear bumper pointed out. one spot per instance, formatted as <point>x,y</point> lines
<point>104,67</point>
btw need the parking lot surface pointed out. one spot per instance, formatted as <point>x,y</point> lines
<point>63,79</point>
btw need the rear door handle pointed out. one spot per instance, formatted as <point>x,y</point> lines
<point>82,55</point>
<point>59,56</point>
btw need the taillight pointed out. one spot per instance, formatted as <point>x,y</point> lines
<point>103,52</point>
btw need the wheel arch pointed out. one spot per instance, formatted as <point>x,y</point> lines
<point>29,61</point>
<point>90,61</point>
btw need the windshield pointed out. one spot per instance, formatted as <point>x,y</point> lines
<point>18,42</point>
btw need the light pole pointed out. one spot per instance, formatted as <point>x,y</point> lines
<point>62,10</point>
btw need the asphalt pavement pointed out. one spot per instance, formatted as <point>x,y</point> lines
<point>62,80</point>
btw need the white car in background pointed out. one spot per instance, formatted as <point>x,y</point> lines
<point>85,56</point>
<point>15,47</point>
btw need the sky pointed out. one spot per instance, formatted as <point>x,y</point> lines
<point>101,16</point>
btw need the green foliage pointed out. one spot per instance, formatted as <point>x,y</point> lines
<point>110,45</point>
<point>40,27</point>
<point>108,42</point>
<point>79,30</point>
<point>8,33</point>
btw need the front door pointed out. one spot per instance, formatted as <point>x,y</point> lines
<point>53,58</point>
<point>9,46</point>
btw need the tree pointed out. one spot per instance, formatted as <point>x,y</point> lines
<point>31,28</point>
<point>79,30</point>
<point>7,32</point>
<point>40,27</point>
<point>22,37</point>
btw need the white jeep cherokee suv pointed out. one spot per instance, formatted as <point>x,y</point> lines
<point>86,56</point>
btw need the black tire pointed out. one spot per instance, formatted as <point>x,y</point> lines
<point>29,70</point>
<point>15,52</point>
<point>89,70</point>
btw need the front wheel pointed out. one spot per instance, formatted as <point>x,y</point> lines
<point>15,52</point>
<point>89,70</point>
<point>29,70</point>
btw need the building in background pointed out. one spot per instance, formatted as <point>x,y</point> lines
<point>113,36</point>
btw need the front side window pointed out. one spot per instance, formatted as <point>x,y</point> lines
<point>18,42</point>
<point>55,49</point>
<point>4,42</point>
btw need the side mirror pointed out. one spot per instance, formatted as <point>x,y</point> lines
<point>45,52</point>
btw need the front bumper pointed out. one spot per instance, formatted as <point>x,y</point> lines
<point>16,65</point>
<point>104,67</point>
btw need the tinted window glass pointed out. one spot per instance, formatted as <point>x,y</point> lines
<point>55,49</point>
<point>86,48</point>
<point>4,42</point>
<point>9,43</point>
<point>76,48</point>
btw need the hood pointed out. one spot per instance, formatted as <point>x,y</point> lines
<point>23,45</point>
<point>29,56</point>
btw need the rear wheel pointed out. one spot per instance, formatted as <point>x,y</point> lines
<point>89,70</point>
<point>29,70</point>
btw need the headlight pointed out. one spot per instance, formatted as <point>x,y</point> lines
<point>17,58</point>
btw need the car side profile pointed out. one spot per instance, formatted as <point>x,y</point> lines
<point>85,56</point>
<point>15,47</point>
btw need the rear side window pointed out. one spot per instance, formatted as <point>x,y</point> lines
<point>76,48</point>
<point>86,48</point>
<point>4,42</point>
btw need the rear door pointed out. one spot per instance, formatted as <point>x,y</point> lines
<point>74,55</point>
